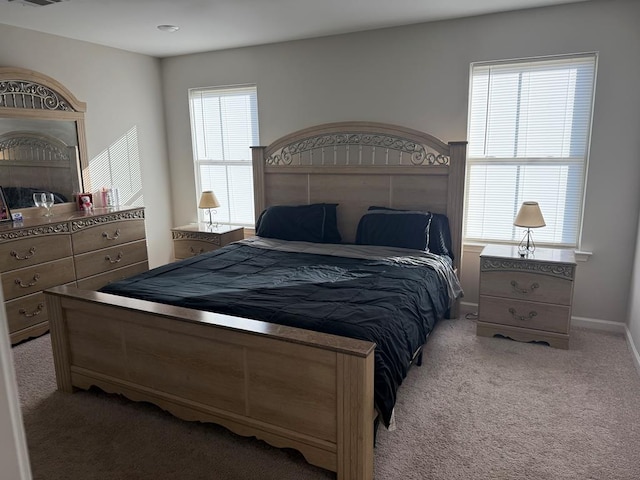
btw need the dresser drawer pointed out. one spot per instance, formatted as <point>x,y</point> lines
<point>107,259</point>
<point>191,248</point>
<point>107,234</point>
<point>25,281</point>
<point>526,286</point>
<point>26,311</point>
<point>98,281</point>
<point>531,315</point>
<point>32,250</point>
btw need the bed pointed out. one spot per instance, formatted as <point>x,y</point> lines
<point>308,389</point>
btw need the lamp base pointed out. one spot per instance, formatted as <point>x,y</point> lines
<point>526,246</point>
<point>211,224</point>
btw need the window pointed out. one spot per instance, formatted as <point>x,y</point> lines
<point>529,129</point>
<point>224,125</point>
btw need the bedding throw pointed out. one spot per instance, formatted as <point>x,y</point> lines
<point>393,301</point>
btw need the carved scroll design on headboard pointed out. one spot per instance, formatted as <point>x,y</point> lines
<point>33,147</point>
<point>418,153</point>
<point>31,95</point>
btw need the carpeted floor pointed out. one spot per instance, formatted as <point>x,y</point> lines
<point>479,408</point>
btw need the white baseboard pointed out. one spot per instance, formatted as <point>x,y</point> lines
<point>633,349</point>
<point>467,307</point>
<point>609,326</point>
<point>597,324</point>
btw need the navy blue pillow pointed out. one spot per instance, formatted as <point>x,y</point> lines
<point>331,232</point>
<point>438,236</point>
<point>305,223</point>
<point>394,229</point>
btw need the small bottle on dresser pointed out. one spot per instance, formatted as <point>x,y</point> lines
<point>110,197</point>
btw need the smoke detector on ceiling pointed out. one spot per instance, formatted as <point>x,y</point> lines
<point>37,3</point>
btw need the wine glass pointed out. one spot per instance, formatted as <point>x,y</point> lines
<point>44,199</point>
<point>49,200</point>
<point>38,199</point>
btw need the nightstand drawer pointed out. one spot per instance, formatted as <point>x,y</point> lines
<point>526,286</point>
<point>191,248</point>
<point>196,238</point>
<point>531,315</point>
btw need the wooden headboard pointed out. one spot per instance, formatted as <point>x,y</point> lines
<point>359,164</point>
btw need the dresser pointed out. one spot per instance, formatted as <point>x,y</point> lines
<point>196,238</point>
<point>87,250</point>
<point>526,298</point>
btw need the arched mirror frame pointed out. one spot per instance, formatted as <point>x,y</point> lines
<point>42,97</point>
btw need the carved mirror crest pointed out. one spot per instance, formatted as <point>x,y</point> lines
<point>42,139</point>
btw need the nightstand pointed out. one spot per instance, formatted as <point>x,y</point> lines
<point>526,298</point>
<point>196,238</point>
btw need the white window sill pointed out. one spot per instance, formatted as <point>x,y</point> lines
<point>582,256</point>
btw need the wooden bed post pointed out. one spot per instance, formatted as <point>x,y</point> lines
<point>355,417</point>
<point>455,205</point>
<point>59,343</point>
<point>257,157</point>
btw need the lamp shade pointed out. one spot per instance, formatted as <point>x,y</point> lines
<point>208,200</point>
<point>529,216</point>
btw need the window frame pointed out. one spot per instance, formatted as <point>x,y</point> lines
<point>531,160</point>
<point>197,163</point>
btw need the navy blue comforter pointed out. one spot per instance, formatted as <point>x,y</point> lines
<point>395,306</point>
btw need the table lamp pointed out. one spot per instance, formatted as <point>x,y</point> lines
<point>209,201</point>
<point>528,217</point>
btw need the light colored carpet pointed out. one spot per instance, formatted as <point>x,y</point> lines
<point>479,408</point>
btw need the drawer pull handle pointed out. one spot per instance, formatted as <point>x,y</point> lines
<point>114,260</point>
<point>36,277</point>
<point>115,236</point>
<point>524,291</point>
<point>17,256</point>
<point>522,318</point>
<point>37,311</point>
<point>194,252</point>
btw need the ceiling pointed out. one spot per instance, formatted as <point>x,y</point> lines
<point>219,24</point>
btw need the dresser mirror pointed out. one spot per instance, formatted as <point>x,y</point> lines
<point>42,141</point>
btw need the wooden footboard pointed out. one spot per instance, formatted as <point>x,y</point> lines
<point>289,387</point>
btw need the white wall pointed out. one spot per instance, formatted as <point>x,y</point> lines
<point>122,90</point>
<point>417,76</point>
<point>634,301</point>
<point>14,459</point>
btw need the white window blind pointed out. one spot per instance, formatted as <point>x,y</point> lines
<point>529,130</point>
<point>224,125</point>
